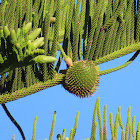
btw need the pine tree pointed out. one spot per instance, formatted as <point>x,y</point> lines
<point>30,35</point>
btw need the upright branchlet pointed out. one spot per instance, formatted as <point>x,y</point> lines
<point>63,134</point>
<point>34,128</point>
<point>133,128</point>
<point>53,123</point>
<point>138,22</point>
<point>75,125</point>
<point>94,120</point>
<point>130,132</point>
<point>105,123</point>
<point>99,119</point>
<point>123,135</point>
<point>111,125</point>
<point>71,135</point>
<point>13,137</point>
<point>116,126</point>
<point>119,118</point>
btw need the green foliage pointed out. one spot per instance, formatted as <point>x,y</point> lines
<point>30,90</point>
<point>20,49</point>
<point>34,129</point>
<point>108,30</point>
<point>127,132</point>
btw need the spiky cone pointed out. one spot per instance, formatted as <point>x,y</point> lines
<point>82,78</point>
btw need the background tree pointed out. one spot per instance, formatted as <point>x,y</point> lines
<point>100,21</point>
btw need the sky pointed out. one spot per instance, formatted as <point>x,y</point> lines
<point>120,88</point>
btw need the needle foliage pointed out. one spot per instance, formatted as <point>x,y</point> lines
<point>90,31</point>
<point>31,32</point>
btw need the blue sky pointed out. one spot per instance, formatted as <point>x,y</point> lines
<point>120,88</point>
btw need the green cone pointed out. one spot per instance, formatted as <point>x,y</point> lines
<point>82,78</point>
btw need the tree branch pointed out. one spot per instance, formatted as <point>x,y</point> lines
<point>118,53</point>
<point>58,79</point>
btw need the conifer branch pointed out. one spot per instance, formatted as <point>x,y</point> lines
<point>63,134</point>
<point>71,135</point>
<point>75,125</point>
<point>116,54</point>
<point>109,29</point>
<point>119,118</point>
<point>13,53</point>
<point>13,138</point>
<point>121,66</point>
<point>111,125</point>
<point>116,126</point>
<point>93,131</point>
<point>34,128</point>
<point>138,22</point>
<point>133,128</point>
<point>130,132</point>
<point>128,124</point>
<point>123,135</point>
<point>96,30</point>
<point>58,79</point>
<point>99,119</point>
<point>105,123</point>
<point>53,123</point>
